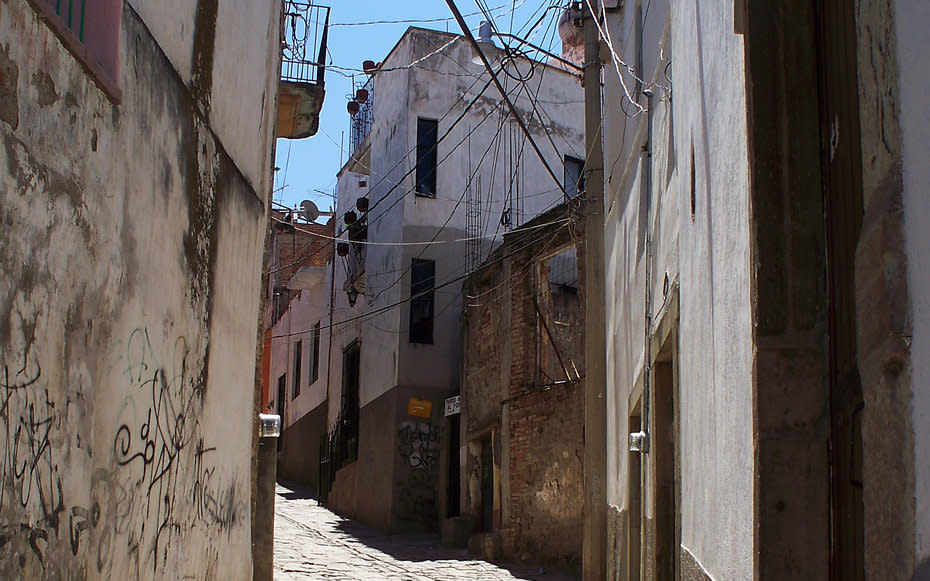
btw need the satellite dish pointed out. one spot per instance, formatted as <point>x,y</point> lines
<point>309,211</point>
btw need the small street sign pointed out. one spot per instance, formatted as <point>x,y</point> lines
<point>453,405</point>
<point>420,408</point>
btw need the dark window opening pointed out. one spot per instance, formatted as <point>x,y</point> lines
<point>280,403</point>
<point>427,138</point>
<point>574,176</point>
<point>422,292</point>
<point>349,416</point>
<point>315,365</point>
<point>297,356</point>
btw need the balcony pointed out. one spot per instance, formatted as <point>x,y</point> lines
<point>304,30</point>
<point>361,120</point>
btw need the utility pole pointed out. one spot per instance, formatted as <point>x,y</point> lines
<point>594,545</point>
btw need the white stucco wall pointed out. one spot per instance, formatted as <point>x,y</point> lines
<point>310,307</point>
<point>244,73</point>
<point>911,17</point>
<point>172,24</point>
<point>348,327</point>
<point>716,326</point>
<point>708,254</point>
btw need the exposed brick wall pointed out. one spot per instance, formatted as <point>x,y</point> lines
<point>291,250</point>
<point>541,470</point>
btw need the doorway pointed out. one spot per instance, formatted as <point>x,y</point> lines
<point>487,485</point>
<point>841,167</point>
<point>453,506</point>
<point>664,456</point>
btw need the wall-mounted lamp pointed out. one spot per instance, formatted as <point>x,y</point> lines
<point>352,294</point>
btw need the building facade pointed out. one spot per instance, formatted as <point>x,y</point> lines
<point>767,393</point>
<point>438,171</point>
<point>134,182</point>
<point>300,276</point>
<point>522,395</point>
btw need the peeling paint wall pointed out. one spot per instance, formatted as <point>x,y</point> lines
<point>132,252</point>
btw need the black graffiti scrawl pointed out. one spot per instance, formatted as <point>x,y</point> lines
<point>165,480</point>
<point>418,447</point>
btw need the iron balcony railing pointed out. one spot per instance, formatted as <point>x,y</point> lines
<point>305,29</point>
<point>360,123</point>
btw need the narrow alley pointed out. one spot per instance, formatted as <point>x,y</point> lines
<point>311,542</point>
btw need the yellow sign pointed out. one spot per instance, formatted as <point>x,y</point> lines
<point>421,408</point>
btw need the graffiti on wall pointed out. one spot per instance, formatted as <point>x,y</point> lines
<point>418,446</point>
<point>65,507</point>
<point>31,498</point>
<point>165,479</point>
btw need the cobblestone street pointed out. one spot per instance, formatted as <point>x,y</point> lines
<point>313,543</point>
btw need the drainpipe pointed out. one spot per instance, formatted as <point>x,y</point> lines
<point>647,329</point>
<point>594,542</point>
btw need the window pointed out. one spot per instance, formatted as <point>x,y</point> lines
<point>315,366</point>
<point>90,30</point>
<point>282,393</point>
<point>422,284</point>
<point>281,402</point>
<point>427,134</point>
<point>560,318</point>
<point>297,356</point>
<point>574,176</point>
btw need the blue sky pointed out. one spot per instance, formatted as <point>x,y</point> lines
<point>308,166</point>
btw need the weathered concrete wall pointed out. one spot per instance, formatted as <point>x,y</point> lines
<point>913,45</point>
<point>130,314</point>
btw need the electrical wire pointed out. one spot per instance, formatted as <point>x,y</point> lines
<point>422,243</point>
<point>484,59</point>
<point>452,213</point>
<point>385,308</point>
<point>418,20</point>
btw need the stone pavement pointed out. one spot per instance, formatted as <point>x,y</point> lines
<point>313,543</point>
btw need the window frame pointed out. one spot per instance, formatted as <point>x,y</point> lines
<point>578,186</point>
<point>422,294</point>
<point>427,161</point>
<point>315,364</point>
<point>298,356</point>
<point>98,51</point>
